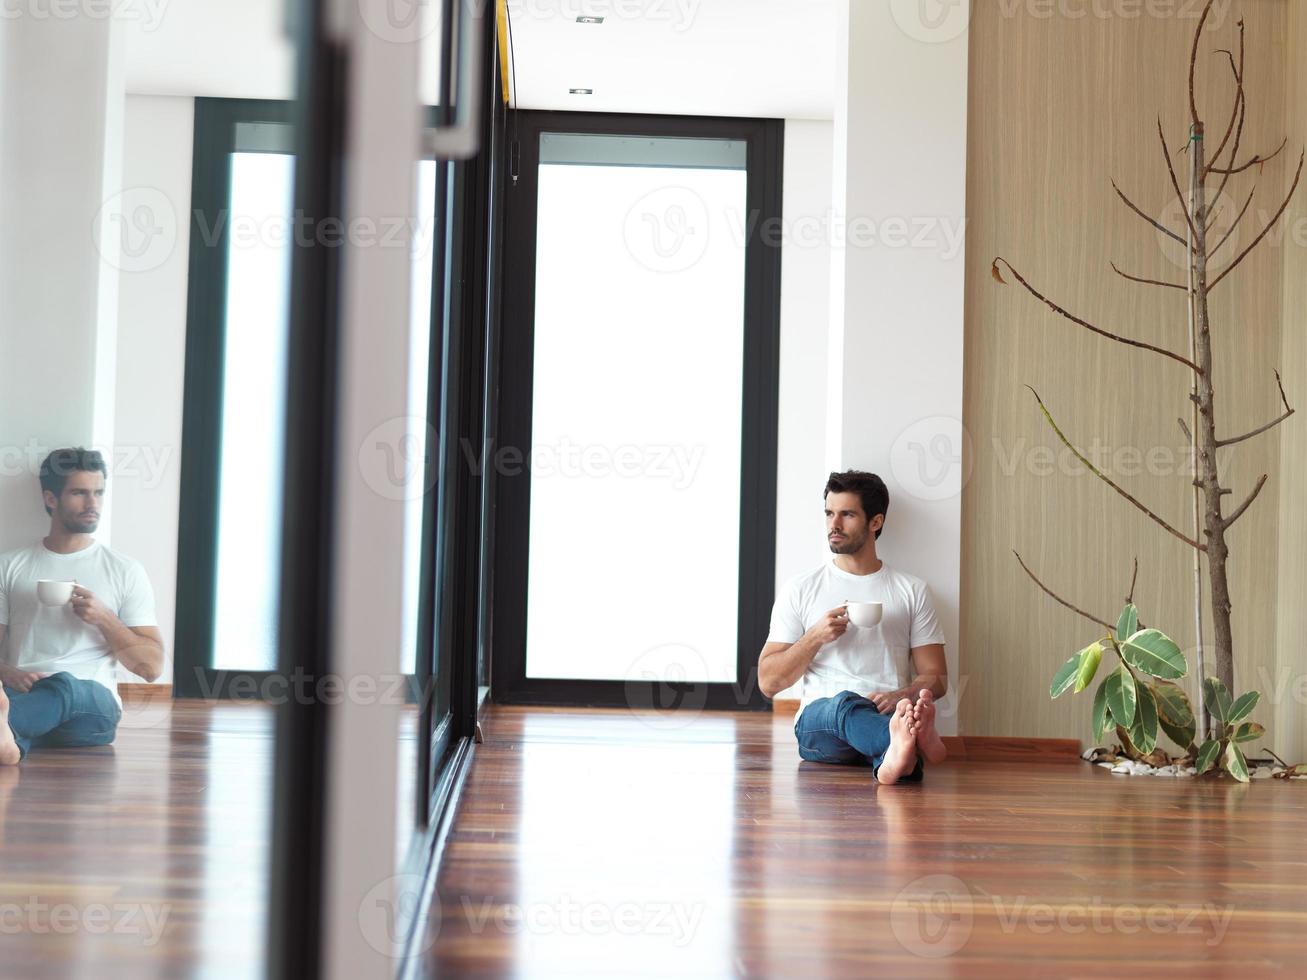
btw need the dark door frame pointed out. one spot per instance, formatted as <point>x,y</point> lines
<point>216,122</point>
<point>757,557</point>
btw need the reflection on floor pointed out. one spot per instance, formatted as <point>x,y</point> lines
<point>604,843</point>
<point>146,858</point>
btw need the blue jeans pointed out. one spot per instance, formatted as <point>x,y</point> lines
<point>63,710</point>
<point>846,730</point>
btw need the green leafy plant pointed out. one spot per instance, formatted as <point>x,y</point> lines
<point>1228,718</point>
<point>1139,699</point>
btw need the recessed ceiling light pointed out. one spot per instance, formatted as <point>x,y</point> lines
<point>589,20</point>
<point>581,91</point>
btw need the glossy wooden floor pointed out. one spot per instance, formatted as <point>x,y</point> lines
<point>146,858</point>
<point>591,843</point>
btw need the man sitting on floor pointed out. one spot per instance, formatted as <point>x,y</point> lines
<point>857,704</point>
<point>58,662</point>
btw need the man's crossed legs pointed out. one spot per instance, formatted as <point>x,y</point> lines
<point>848,729</point>
<point>59,710</point>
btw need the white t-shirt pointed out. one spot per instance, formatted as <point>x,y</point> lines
<point>49,639</point>
<point>864,660</point>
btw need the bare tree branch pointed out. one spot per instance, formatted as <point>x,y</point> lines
<point>1156,224</point>
<point>1088,326</point>
<point>1193,62</point>
<point>1251,163</point>
<point>1262,428</point>
<point>1129,599</point>
<point>1175,182</point>
<point>1235,223</point>
<point>1269,225</point>
<point>1098,473</point>
<point>1238,511</point>
<point>1054,595</point>
<point>1237,71</point>
<point>1241,108</point>
<point>1149,282</point>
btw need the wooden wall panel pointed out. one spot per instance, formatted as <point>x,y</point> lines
<point>1287,690</point>
<point>1058,106</point>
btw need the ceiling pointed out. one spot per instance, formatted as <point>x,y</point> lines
<point>694,57</point>
<point>772,58</point>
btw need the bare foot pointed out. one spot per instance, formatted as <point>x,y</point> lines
<point>902,755</point>
<point>9,754</point>
<point>923,728</point>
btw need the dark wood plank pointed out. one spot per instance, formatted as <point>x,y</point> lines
<point>702,846</point>
<point>147,858</point>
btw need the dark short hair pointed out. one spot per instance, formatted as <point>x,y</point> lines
<point>870,488</point>
<point>56,467</point>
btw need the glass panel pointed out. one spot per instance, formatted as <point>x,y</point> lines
<point>634,540</point>
<point>416,441</point>
<point>253,410</point>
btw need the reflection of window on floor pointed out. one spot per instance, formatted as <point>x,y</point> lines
<point>636,414</point>
<point>666,867</point>
<point>253,412</point>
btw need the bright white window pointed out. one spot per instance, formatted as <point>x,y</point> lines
<point>260,242</point>
<point>635,455</point>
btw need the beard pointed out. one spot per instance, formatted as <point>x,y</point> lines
<point>75,525</point>
<point>851,544</point>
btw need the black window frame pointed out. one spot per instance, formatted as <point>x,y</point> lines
<point>759,417</point>
<point>215,129</point>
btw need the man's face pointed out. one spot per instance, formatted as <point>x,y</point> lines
<point>78,507</point>
<point>847,527</point>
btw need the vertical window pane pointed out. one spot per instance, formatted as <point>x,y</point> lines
<point>253,411</point>
<point>636,418</point>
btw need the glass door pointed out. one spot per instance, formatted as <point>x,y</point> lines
<point>637,450</point>
<point>243,236</point>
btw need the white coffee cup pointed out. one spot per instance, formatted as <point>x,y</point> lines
<point>864,613</point>
<point>54,592</point>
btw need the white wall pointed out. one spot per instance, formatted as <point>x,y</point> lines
<point>60,85</point>
<point>895,368</point>
<point>145,492</point>
<point>805,322</point>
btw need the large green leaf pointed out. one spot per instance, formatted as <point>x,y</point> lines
<point>1153,652</point>
<point>1121,696</point>
<point>1248,732</point>
<point>1090,657</point>
<point>1242,707</point>
<point>1102,717</point>
<point>1217,698</point>
<point>1128,623</point>
<point>1143,733</point>
<point>1235,764</point>
<point>1174,712</point>
<point>1065,676</point>
<point>1207,755</point>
